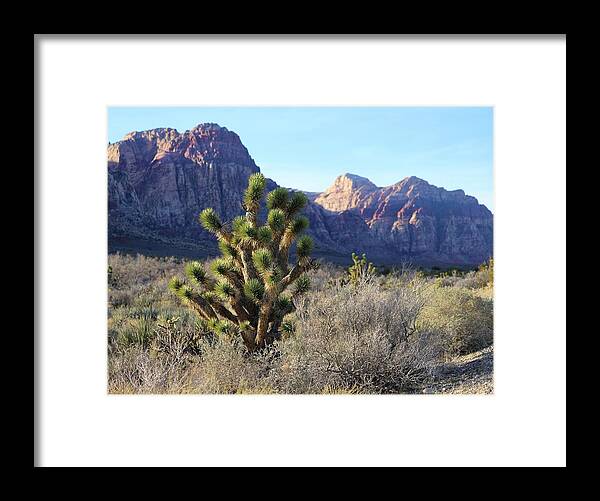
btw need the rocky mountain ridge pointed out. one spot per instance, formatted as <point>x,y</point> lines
<point>160,179</point>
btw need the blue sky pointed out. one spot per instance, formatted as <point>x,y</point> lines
<point>308,147</point>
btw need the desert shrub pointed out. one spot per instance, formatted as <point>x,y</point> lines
<point>154,355</point>
<point>463,320</point>
<point>183,360</point>
<point>471,280</point>
<point>126,271</point>
<point>486,292</point>
<point>175,338</point>
<point>380,337</point>
<point>141,324</point>
<point>138,280</point>
<point>136,332</point>
<point>119,298</point>
<point>112,279</point>
<point>403,275</point>
<point>361,337</point>
<point>128,327</point>
<point>448,280</point>
<point>227,367</point>
<point>325,274</point>
<point>135,370</point>
<point>487,269</point>
<point>482,277</point>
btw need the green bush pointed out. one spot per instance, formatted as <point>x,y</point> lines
<point>463,320</point>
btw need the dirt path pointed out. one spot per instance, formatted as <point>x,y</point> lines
<point>472,373</point>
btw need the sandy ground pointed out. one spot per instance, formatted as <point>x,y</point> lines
<point>467,374</point>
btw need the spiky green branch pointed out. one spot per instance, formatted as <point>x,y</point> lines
<point>244,291</point>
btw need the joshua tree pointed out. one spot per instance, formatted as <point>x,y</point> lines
<point>245,294</point>
<point>361,270</point>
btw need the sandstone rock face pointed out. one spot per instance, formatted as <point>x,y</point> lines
<point>159,181</point>
<point>412,219</point>
<point>346,192</point>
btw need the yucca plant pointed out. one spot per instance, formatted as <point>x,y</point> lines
<point>248,290</point>
<point>361,271</point>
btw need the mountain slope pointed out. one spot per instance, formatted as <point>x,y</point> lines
<point>415,218</point>
<point>159,180</point>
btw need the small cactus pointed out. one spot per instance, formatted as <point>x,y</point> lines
<point>244,292</point>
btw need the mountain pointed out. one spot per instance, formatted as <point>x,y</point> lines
<point>414,218</point>
<point>159,180</point>
<point>345,193</point>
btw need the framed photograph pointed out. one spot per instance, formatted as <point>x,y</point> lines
<point>318,242</point>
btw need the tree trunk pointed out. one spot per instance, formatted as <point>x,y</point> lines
<point>263,323</point>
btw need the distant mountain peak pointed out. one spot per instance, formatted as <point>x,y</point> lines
<point>412,180</point>
<point>160,179</point>
<point>355,181</point>
<point>345,191</point>
<point>355,178</point>
<point>208,127</point>
<point>202,129</point>
<point>352,192</point>
<point>158,132</point>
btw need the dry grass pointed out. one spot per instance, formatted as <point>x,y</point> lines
<point>383,336</point>
<point>461,318</point>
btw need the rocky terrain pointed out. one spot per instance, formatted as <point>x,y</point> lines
<point>466,374</point>
<point>159,180</point>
